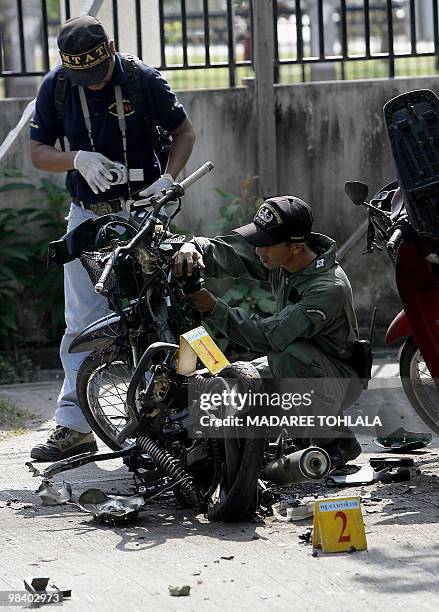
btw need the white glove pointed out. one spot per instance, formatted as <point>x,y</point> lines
<point>94,167</point>
<point>164,182</point>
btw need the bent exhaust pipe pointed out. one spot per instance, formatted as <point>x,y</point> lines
<point>309,464</point>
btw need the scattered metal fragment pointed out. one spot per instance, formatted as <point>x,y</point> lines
<point>391,469</point>
<point>299,510</point>
<point>110,508</point>
<point>402,441</point>
<point>40,586</point>
<point>378,463</point>
<point>306,536</point>
<point>228,557</point>
<point>35,472</point>
<point>54,497</point>
<point>179,591</point>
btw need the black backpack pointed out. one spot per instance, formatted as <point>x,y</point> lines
<point>161,139</point>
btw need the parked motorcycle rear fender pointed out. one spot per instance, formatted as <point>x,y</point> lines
<point>418,287</point>
<point>398,328</point>
<point>102,332</point>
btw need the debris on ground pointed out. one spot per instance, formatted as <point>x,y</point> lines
<point>228,557</point>
<point>306,536</point>
<point>379,469</point>
<point>16,504</point>
<point>296,510</point>
<point>402,441</point>
<point>35,471</point>
<point>179,591</point>
<point>47,593</point>
<point>110,508</point>
<point>54,497</point>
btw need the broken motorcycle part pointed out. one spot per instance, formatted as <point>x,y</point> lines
<point>109,508</point>
<point>46,592</point>
<point>78,460</point>
<point>403,441</point>
<point>298,510</point>
<point>54,497</point>
<point>309,464</point>
<point>368,474</point>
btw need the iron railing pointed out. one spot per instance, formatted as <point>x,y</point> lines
<point>208,42</point>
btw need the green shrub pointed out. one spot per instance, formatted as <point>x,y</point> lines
<point>251,295</point>
<point>23,270</point>
<point>17,370</point>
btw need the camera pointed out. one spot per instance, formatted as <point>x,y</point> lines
<point>119,174</point>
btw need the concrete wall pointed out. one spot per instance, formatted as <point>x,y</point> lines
<point>327,133</point>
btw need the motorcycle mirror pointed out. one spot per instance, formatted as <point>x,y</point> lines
<point>356,191</point>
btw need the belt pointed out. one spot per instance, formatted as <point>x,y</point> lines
<point>102,208</point>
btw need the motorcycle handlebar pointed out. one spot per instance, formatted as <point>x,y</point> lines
<point>395,239</point>
<point>195,176</point>
<point>99,287</point>
<point>176,190</point>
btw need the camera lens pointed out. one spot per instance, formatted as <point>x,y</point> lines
<point>114,176</point>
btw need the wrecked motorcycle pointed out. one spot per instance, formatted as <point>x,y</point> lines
<point>404,219</point>
<point>131,386</point>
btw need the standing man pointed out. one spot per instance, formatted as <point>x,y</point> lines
<point>103,126</point>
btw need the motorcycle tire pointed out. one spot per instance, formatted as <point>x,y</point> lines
<point>418,384</point>
<point>242,461</point>
<point>101,385</point>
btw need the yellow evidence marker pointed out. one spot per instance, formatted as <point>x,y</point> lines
<point>197,344</point>
<point>338,525</point>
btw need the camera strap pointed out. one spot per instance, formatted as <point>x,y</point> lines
<point>120,119</point>
<point>86,114</point>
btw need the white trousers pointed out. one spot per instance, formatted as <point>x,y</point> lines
<point>82,307</point>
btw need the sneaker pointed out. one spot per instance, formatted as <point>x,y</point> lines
<point>64,442</point>
<point>342,450</point>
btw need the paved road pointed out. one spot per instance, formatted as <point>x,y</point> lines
<point>131,567</point>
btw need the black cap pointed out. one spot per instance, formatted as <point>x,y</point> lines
<point>285,218</point>
<point>85,50</point>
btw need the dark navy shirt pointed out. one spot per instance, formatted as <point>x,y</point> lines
<point>167,112</point>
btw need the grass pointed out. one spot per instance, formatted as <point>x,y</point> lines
<point>12,416</point>
<point>213,78</point>
<point>292,73</point>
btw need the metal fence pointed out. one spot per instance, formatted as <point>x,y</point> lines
<point>208,43</point>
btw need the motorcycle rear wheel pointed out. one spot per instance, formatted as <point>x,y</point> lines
<point>236,495</point>
<point>101,385</point>
<point>419,385</point>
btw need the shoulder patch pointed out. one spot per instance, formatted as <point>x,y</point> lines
<point>317,311</point>
<point>320,263</point>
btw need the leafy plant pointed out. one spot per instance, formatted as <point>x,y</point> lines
<point>24,235</point>
<point>17,370</point>
<point>15,254</point>
<point>251,297</point>
<point>238,210</point>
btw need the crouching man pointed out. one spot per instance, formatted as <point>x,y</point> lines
<point>314,329</point>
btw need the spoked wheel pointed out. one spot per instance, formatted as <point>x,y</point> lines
<point>418,384</point>
<point>101,385</point>
<point>235,497</point>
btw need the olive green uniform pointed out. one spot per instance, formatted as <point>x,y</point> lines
<point>314,327</point>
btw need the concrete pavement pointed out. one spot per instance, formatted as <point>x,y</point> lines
<point>251,566</point>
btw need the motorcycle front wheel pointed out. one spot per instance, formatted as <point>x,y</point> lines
<point>101,385</point>
<point>418,384</point>
<point>236,495</point>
